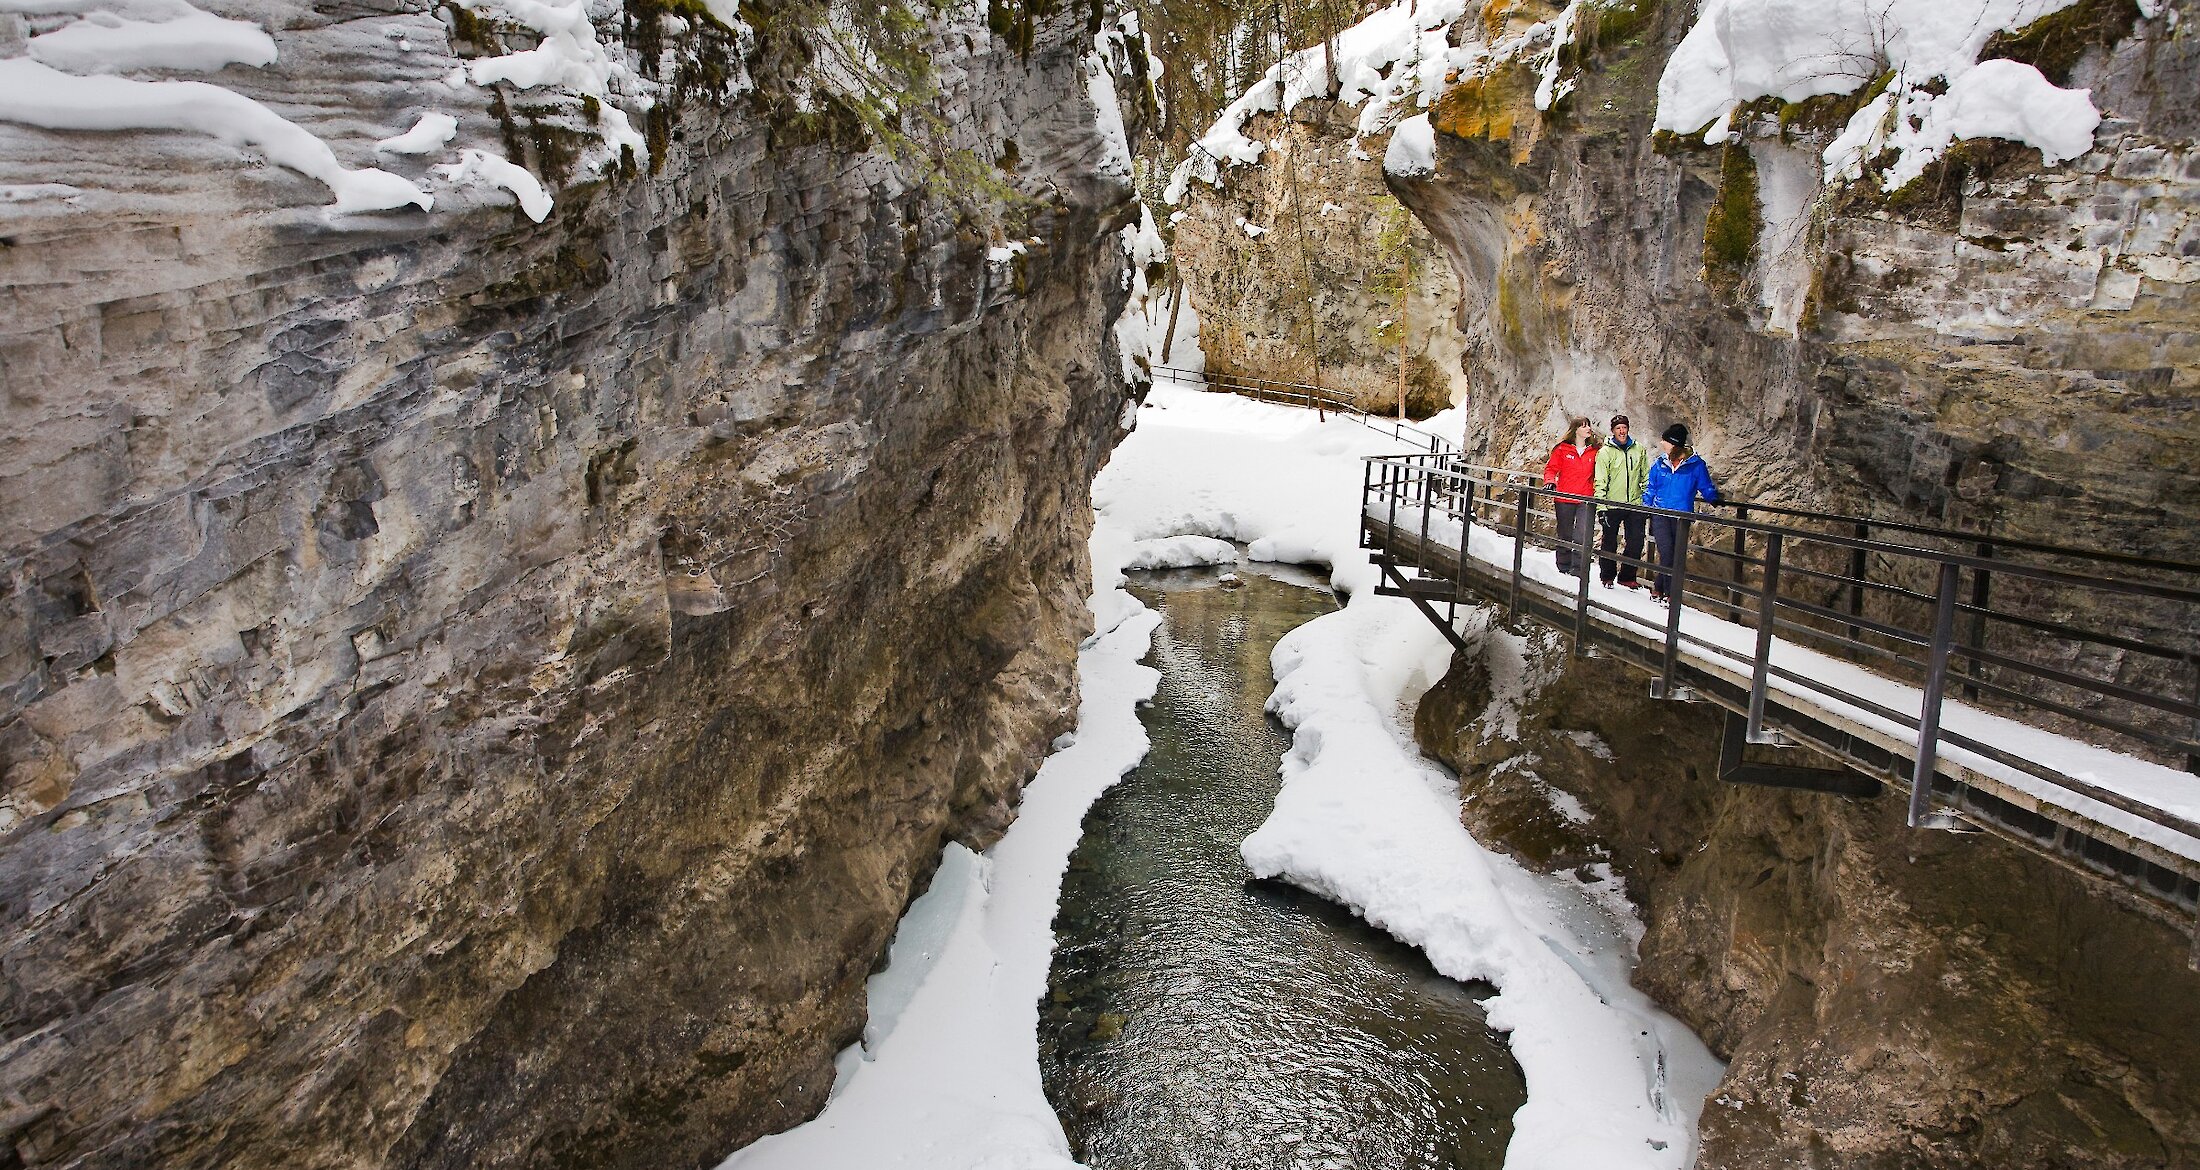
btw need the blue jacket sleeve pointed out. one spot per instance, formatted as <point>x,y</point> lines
<point>1704,485</point>
<point>1650,484</point>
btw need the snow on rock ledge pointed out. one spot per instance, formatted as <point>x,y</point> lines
<point>36,95</point>
<point>1181,552</point>
<point>1741,50</point>
<point>1412,148</point>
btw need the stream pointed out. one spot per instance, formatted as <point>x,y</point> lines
<point>1197,1018</point>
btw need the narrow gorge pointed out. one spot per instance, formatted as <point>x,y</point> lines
<point>573,577</point>
<point>481,691</point>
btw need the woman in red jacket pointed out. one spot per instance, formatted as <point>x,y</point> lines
<point>1572,468</point>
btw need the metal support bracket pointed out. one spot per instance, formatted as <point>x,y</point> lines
<point>1406,590</point>
<point>1732,769</point>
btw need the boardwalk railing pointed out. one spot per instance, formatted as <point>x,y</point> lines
<point>2092,645</point>
<point>1315,398</point>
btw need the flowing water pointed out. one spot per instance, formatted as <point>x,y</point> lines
<point>1199,1019</point>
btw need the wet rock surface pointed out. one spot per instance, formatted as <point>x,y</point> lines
<point>480,693</point>
<point>1886,998</point>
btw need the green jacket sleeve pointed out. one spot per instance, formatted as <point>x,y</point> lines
<point>1607,474</point>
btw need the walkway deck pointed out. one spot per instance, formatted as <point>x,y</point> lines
<point>1787,661</point>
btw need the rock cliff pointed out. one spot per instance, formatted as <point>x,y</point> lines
<point>1296,267</point>
<point>480,692</point>
<point>2002,346</point>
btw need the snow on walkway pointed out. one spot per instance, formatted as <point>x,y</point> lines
<point>948,1073</point>
<point>2144,781</point>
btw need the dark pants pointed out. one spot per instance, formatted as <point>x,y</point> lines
<point>1615,523</point>
<point>1666,530</point>
<point>1573,529</point>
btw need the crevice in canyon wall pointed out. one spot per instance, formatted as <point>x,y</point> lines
<point>481,692</point>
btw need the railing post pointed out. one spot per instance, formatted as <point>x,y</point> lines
<point>1761,666</point>
<point>2192,759</point>
<point>1859,569</point>
<point>1676,596</point>
<point>1390,529</point>
<point>1420,551</point>
<point>1520,547</point>
<point>1466,531</point>
<point>1367,488</point>
<point>1975,639</point>
<point>1936,685</point>
<point>1741,535</point>
<point>1588,513</point>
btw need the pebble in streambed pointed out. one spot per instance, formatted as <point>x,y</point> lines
<point>1199,1019</point>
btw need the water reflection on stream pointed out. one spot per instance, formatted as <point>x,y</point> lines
<point>1198,1019</point>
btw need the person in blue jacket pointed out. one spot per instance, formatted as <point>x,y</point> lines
<point>1677,480</point>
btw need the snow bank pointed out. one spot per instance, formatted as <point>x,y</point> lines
<point>1181,552</point>
<point>1111,53</point>
<point>1741,50</point>
<point>1365,821</point>
<point>569,56</point>
<point>1142,329</point>
<point>1395,60</point>
<point>1412,148</point>
<point>1396,57</point>
<point>187,39</point>
<point>947,1076</point>
<point>36,95</point>
<point>1997,99</point>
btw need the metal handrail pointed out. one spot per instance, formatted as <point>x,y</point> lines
<point>1951,534</point>
<point>1996,565</point>
<point>1438,484</point>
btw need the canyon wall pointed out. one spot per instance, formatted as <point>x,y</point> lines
<point>2002,347</point>
<point>1999,347</point>
<point>1296,267</point>
<point>480,693</point>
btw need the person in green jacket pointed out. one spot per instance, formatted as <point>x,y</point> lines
<point>1623,468</point>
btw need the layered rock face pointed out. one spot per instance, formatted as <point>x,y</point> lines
<point>1887,998</point>
<point>1306,254</point>
<point>481,693</point>
<point>2003,347</point>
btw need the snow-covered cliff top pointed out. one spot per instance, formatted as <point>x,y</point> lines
<point>1927,51</point>
<point>381,110</point>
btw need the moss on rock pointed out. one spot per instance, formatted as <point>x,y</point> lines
<point>1730,234</point>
